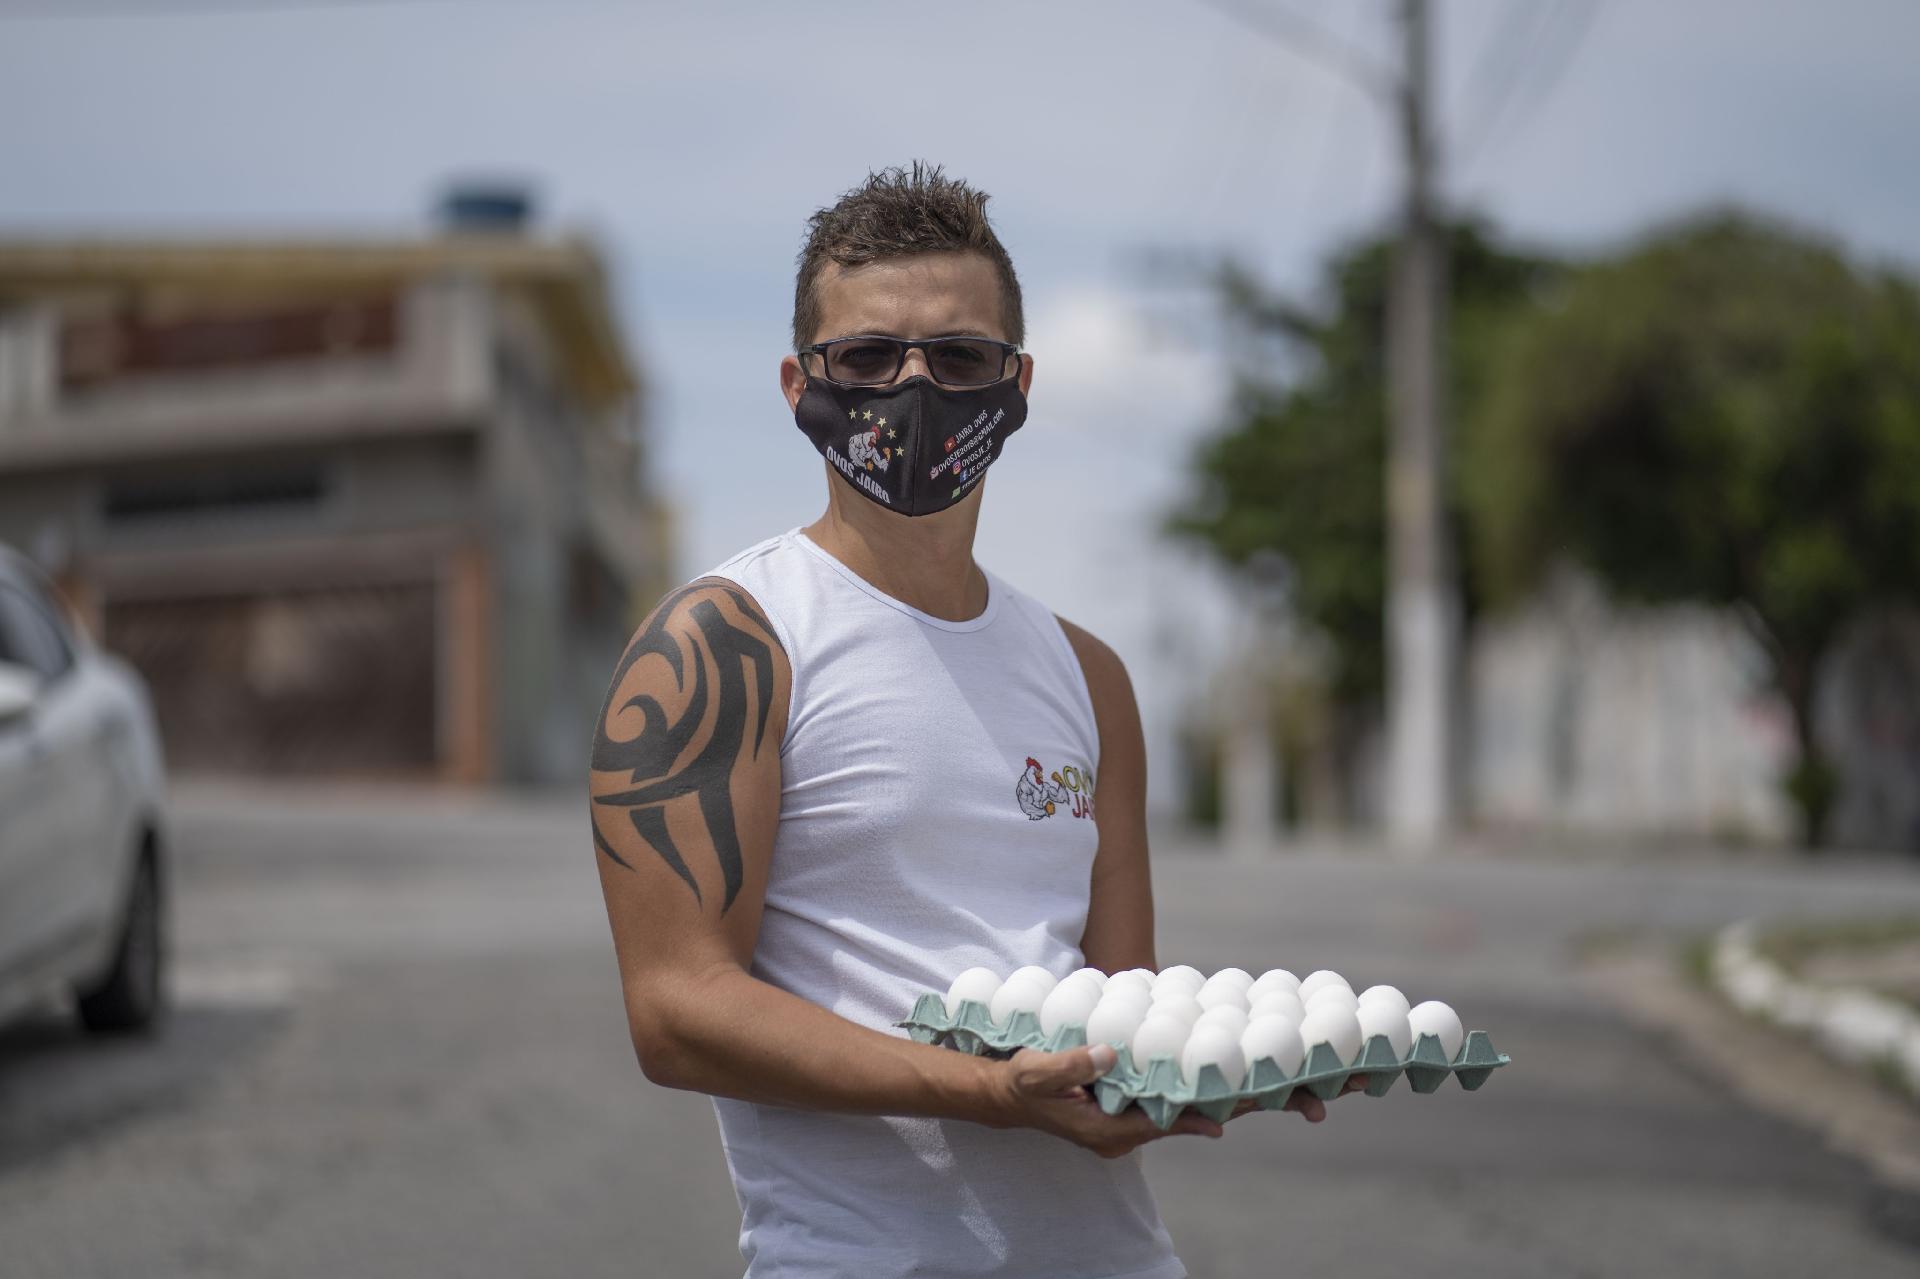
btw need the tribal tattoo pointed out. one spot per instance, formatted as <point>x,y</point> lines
<point>652,758</point>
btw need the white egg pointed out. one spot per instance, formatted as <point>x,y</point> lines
<point>1283,1015</point>
<point>1283,1002</point>
<point>1127,995</point>
<point>1336,996</point>
<point>1129,981</point>
<point>1316,980</point>
<point>1331,1024</point>
<point>1273,979</point>
<point>1080,981</point>
<point>1212,1046</point>
<point>1275,1038</point>
<point>1238,976</point>
<point>1230,1017</point>
<point>1185,1007</point>
<point>1035,972</point>
<point>1175,988</point>
<point>977,984</point>
<point>1068,1004</point>
<point>1158,1036</point>
<point>1094,975</point>
<point>1435,1018</point>
<point>1018,995</point>
<point>1113,1021</point>
<point>1372,993</point>
<point>1386,997</point>
<point>1147,973</point>
<point>1185,972</point>
<point>1381,1018</point>
<point>1221,997</point>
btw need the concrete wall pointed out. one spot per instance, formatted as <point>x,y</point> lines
<point>1868,716</point>
<point>460,458</point>
<point>1590,717</point>
<point>554,521</point>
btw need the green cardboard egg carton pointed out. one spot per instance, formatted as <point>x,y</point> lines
<point>1159,1088</point>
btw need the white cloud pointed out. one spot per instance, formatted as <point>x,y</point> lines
<point>1103,368</point>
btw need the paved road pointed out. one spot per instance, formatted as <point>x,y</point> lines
<point>399,1052</point>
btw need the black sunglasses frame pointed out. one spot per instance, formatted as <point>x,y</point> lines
<point>900,348</point>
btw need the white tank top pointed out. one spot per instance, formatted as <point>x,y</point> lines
<point>915,842</point>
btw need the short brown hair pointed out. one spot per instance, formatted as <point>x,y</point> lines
<point>897,213</point>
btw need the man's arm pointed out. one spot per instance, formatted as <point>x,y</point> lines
<point>685,798</point>
<point>1119,932</point>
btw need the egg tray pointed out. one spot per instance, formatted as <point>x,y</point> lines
<point>1159,1088</point>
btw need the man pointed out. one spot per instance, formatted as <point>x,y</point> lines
<point>810,797</point>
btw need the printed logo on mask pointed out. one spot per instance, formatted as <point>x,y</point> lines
<point>970,449</point>
<point>866,450</point>
<point>858,476</point>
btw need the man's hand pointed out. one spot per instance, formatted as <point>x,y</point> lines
<point>1049,1091</point>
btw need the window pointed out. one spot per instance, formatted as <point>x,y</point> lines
<point>32,637</point>
<point>213,494</point>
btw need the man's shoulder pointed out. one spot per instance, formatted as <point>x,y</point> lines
<point>732,584</point>
<point>1107,682</point>
<point>1097,660</point>
<point>748,555</point>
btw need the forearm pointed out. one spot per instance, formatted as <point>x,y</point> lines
<point>1118,956</point>
<point>1119,931</point>
<point>733,1035</point>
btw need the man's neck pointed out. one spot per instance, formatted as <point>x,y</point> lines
<point>925,562</point>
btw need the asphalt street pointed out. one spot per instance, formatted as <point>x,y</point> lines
<point>399,1050</point>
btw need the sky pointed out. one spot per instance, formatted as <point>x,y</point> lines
<point>692,141</point>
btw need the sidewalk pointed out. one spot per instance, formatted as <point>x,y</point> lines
<point>1774,1071</point>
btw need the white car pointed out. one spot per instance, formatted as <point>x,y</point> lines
<point>82,818</point>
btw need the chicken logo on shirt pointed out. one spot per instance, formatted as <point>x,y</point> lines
<point>865,450</point>
<point>1040,794</point>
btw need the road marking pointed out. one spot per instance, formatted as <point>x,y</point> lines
<point>239,984</point>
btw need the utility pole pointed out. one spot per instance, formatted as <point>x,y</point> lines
<point>1423,612</point>
<point>1422,608</point>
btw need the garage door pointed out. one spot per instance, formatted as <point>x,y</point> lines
<point>331,682</point>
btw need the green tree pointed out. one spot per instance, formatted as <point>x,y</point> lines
<point>1295,472</point>
<point>1729,413</point>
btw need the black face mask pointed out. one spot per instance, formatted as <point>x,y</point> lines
<point>915,447</point>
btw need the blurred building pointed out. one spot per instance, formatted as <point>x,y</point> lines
<point>353,508</point>
<point>1587,719</point>
<point>1591,717</point>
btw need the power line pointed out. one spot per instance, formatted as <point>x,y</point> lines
<point>1502,61</point>
<point>1584,12</point>
<point>1322,163</point>
<point>1310,40</point>
<point>1529,81</point>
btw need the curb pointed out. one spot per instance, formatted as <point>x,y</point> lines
<point>1852,1025</point>
<point>1786,1076</point>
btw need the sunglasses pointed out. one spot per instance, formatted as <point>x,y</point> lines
<point>872,360</point>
